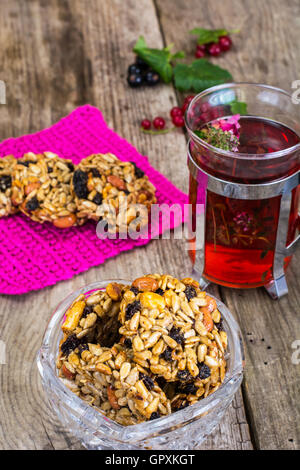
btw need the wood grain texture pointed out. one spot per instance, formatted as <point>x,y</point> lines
<point>56,55</point>
<point>265,52</point>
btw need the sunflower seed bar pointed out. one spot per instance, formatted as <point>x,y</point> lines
<point>6,168</point>
<point>143,351</point>
<point>107,188</point>
<point>41,187</point>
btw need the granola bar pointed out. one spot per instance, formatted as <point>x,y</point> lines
<point>141,351</point>
<point>6,168</point>
<point>108,189</point>
<point>41,188</point>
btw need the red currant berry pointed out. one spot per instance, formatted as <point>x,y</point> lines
<point>201,47</point>
<point>214,49</point>
<point>178,121</point>
<point>225,43</point>
<point>176,111</point>
<point>199,54</point>
<point>204,107</point>
<point>159,122</point>
<point>188,99</point>
<point>146,124</point>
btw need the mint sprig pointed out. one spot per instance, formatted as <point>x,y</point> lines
<point>199,75</point>
<point>158,59</point>
<point>205,36</point>
<point>239,107</point>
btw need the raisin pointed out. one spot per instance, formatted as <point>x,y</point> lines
<point>159,291</point>
<point>26,163</point>
<point>70,344</point>
<point>184,375</point>
<point>80,184</point>
<point>137,171</point>
<point>204,371</point>
<point>220,326</point>
<point>49,169</point>
<point>148,382</point>
<point>98,199</point>
<point>83,347</point>
<point>189,388</point>
<point>167,354</point>
<point>32,204</point>
<point>154,415</point>
<point>87,309</point>
<point>190,292</point>
<point>96,173</point>
<point>132,308</point>
<point>5,182</point>
<point>70,166</point>
<point>134,290</point>
<point>176,335</point>
<point>183,405</point>
<point>127,343</point>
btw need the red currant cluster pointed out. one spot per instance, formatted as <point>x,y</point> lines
<point>177,116</point>
<point>214,48</point>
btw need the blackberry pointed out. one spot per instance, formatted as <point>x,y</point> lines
<point>204,371</point>
<point>154,415</point>
<point>175,334</point>
<point>190,292</point>
<point>132,308</point>
<point>134,290</point>
<point>5,182</point>
<point>127,343</point>
<point>167,354</point>
<point>80,184</point>
<point>159,291</point>
<point>137,171</point>
<point>96,173</point>
<point>184,375</point>
<point>134,69</point>
<point>70,344</point>
<point>32,204</point>
<point>87,309</point>
<point>141,63</point>
<point>134,80</point>
<point>148,382</point>
<point>98,199</point>
<point>151,78</point>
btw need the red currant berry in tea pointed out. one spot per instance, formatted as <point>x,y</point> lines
<point>176,111</point>
<point>159,122</point>
<point>146,124</point>
<point>225,43</point>
<point>199,54</point>
<point>214,49</point>
<point>201,47</point>
<point>178,121</point>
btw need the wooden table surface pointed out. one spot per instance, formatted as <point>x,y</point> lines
<point>56,55</point>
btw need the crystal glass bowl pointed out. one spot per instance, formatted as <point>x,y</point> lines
<point>184,429</point>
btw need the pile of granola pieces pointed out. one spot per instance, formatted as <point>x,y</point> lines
<point>48,188</point>
<point>142,351</point>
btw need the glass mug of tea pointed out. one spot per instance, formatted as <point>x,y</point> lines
<point>244,162</point>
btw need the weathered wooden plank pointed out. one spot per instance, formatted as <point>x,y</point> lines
<point>55,56</point>
<point>264,51</point>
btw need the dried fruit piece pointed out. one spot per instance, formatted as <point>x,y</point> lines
<point>112,398</point>
<point>114,291</point>
<point>145,284</point>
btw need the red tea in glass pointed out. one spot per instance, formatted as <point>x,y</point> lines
<point>241,235</point>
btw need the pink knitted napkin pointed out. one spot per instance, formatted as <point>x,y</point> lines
<point>34,255</point>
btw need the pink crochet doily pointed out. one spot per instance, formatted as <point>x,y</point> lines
<point>33,255</point>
